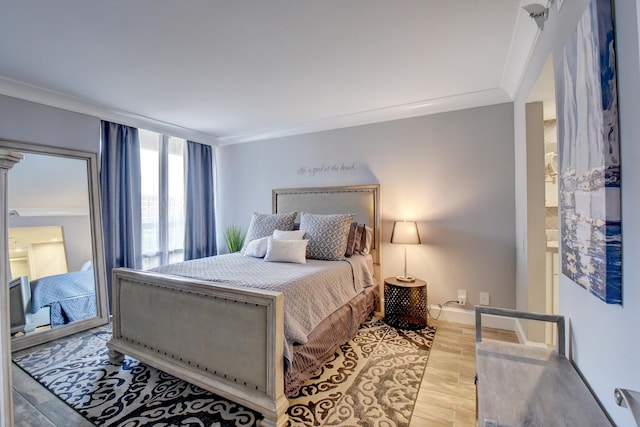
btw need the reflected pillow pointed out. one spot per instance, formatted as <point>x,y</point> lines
<point>263,225</point>
<point>327,235</point>
<point>293,251</point>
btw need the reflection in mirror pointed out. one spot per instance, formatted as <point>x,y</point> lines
<point>55,247</point>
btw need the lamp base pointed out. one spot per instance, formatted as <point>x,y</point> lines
<point>405,278</point>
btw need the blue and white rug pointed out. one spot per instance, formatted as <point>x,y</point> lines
<point>372,380</point>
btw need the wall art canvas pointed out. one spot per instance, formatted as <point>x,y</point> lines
<point>589,155</point>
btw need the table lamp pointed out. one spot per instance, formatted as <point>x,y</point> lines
<point>405,233</point>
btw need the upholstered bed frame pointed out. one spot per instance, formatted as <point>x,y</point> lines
<point>157,319</point>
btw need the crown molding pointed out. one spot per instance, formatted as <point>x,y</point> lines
<point>525,37</point>
<point>414,109</point>
<point>52,98</point>
<point>28,212</point>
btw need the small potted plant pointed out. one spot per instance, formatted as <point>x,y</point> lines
<point>234,237</point>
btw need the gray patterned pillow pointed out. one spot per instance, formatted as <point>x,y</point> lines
<point>263,225</point>
<point>327,235</point>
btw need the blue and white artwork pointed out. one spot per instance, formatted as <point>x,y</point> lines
<point>589,155</point>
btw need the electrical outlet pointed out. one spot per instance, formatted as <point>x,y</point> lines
<point>462,297</point>
<point>484,298</point>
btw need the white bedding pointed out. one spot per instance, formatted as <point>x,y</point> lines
<point>312,291</point>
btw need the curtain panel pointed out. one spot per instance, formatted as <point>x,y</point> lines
<point>120,185</point>
<point>200,226</point>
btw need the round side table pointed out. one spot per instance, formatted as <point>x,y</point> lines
<point>405,303</point>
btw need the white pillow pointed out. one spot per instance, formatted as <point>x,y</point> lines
<point>257,248</point>
<point>287,251</point>
<point>288,235</point>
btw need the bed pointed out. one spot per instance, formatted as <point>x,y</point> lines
<point>238,341</point>
<point>52,300</point>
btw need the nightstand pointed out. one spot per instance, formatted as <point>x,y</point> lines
<point>405,303</point>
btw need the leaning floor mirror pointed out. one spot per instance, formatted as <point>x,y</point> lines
<point>57,281</point>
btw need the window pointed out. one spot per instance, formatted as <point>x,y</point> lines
<point>162,161</point>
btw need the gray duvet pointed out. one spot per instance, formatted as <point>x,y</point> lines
<point>312,291</point>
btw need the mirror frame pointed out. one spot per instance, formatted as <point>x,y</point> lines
<point>97,243</point>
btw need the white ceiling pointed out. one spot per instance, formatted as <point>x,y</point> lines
<point>231,71</point>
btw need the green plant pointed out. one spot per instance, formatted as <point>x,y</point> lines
<point>234,237</point>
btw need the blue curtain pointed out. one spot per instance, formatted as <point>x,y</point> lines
<point>200,226</point>
<point>120,187</point>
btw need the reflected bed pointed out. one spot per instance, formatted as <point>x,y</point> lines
<point>52,300</point>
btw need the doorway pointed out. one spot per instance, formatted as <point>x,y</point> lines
<point>542,158</point>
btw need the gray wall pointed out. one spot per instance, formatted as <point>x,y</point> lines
<point>451,172</point>
<point>36,123</point>
<point>603,341</point>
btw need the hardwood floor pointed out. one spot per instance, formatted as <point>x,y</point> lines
<point>35,406</point>
<point>447,394</point>
<point>446,398</point>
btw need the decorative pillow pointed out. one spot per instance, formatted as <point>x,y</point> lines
<point>286,251</point>
<point>257,248</point>
<point>362,238</point>
<point>358,238</point>
<point>351,240</point>
<point>327,235</point>
<point>288,235</point>
<point>366,240</point>
<point>263,225</point>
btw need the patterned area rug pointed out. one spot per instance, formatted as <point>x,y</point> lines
<point>372,380</point>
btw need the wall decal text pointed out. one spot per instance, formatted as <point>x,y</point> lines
<point>334,168</point>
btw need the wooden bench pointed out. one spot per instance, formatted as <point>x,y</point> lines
<point>520,385</point>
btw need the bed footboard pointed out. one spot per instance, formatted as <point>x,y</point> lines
<point>227,340</point>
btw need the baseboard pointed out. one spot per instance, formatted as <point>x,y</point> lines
<point>468,317</point>
<point>520,332</point>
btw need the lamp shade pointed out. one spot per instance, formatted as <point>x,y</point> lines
<point>405,233</point>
